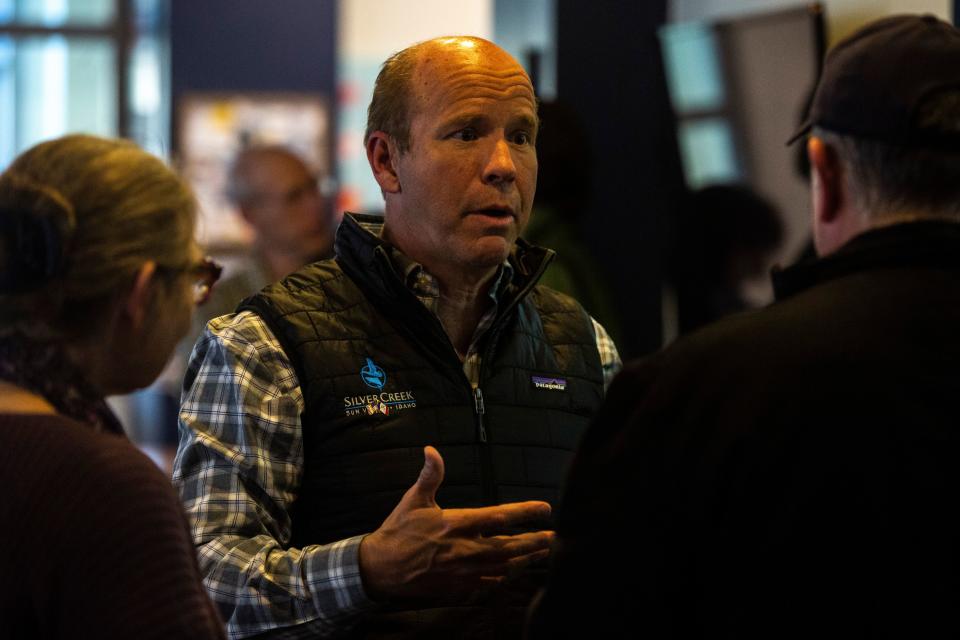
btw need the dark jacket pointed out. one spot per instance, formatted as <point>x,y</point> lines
<point>790,472</point>
<point>381,379</point>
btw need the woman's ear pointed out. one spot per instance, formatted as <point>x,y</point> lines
<point>137,305</point>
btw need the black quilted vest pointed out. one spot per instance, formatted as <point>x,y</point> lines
<point>380,380</point>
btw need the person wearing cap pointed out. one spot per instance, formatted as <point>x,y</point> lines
<point>792,472</point>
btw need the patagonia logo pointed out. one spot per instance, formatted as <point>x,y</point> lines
<point>550,384</point>
<point>373,375</point>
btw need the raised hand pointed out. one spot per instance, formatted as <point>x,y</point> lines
<point>422,551</point>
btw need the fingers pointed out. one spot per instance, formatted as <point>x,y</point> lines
<point>506,549</point>
<point>496,570</point>
<point>496,556</point>
<point>493,520</point>
<point>518,564</point>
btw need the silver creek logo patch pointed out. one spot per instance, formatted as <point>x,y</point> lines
<point>382,403</point>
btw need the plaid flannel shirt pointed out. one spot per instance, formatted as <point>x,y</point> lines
<point>238,469</point>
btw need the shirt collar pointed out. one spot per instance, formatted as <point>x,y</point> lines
<point>931,243</point>
<point>425,285</point>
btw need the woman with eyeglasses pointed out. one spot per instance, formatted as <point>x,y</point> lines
<point>98,276</point>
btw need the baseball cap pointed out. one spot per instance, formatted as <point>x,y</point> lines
<point>875,81</point>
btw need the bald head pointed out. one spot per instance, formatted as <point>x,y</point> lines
<point>404,78</point>
<point>456,162</point>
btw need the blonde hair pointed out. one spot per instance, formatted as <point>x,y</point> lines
<point>79,216</point>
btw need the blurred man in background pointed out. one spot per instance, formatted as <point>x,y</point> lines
<point>293,225</point>
<point>726,238</point>
<point>277,194</point>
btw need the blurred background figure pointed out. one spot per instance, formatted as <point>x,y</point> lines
<point>99,274</point>
<point>564,187</point>
<point>277,194</point>
<point>727,237</point>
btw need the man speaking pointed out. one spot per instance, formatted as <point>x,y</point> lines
<point>326,423</point>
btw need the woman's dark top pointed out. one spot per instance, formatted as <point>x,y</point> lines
<point>94,542</point>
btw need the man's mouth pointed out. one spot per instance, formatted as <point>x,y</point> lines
<point>495,211</point>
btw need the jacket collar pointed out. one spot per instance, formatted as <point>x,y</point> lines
<point>932,243</point>
<point>359,248</point>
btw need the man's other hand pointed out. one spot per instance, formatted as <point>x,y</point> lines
<point>422,551</point>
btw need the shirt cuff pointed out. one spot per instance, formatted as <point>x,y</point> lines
<point>333,574</point>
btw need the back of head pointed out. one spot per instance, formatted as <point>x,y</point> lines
<point>888,103</point>
<point>889,179</point>
<point>79,215</point>
<point>723,220</point>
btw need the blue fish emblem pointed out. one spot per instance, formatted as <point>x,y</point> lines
<point>373,375</point>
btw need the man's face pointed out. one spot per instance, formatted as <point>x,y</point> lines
<point>468,179</point>
<point>286,208</point>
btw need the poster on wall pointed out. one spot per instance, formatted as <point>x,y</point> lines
<point>213,128</point>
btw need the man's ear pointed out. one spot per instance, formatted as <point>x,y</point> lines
<point>382,154</point>
<point>826,179</point>
<point>136,307</point>
<point>836,219</point>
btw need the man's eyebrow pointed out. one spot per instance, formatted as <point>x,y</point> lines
<point>529,122</point>
<point>479,119</point>
<point>464,119</point>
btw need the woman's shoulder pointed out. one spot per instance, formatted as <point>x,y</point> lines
<point>107,517</point>
<point>45,442</point>
<point>54,459</point>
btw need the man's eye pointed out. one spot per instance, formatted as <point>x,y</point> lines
<point>522,137</point>
<point>467,135</point>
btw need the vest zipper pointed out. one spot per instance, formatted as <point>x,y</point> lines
<point>486,456</point>
<point>478,407</point>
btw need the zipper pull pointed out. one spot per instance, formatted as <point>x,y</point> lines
<point>478,406</point>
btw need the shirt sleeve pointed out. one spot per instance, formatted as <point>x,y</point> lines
<point>238,468</point>
<point>609,356</point>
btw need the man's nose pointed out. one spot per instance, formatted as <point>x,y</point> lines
<point>500,167</point>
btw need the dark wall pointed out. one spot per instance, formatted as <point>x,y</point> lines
<point>252,45</point>
<point>609,70</point>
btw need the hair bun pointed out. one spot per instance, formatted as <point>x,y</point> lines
<point>36,223</point>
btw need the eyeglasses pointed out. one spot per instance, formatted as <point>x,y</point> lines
<point>207,272</point>
<point>290,197</point>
